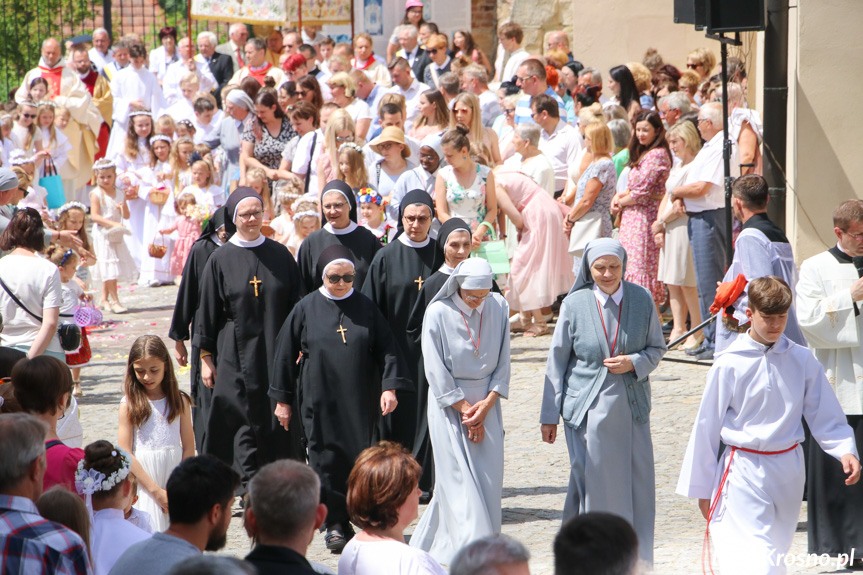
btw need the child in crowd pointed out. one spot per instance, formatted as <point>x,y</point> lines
<point>6,123</point>
<point>65,507</point>
<point>161,179</point>
<point>758,392</point>
<point>155,423</point>
<point>165,127</point>
<point>73,217</point>
<point>202,187</point>
<point>68,172</point>
<point>207,119</point>
<point>185,129</point>
<point>25,136</point>
<point>188,229</point>
<point>73,295</point>
<point>287,192</point>
<point>36,194</point>
<point>110,534</point>
<point>207,155</point>
<point>107,210</point>
<point>351,168</point>
<point>256,179</point>
<point>374,218</point>
<point>53,140</point>
<point>307,219</point>
<point>132,168</point>
<point>136,517</point>
<point>181,153</point>
<point>38,89</point>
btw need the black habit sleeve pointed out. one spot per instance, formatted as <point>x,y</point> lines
<point>391,362</point>
<point>211,305</point>
<point>283,384</point>
<point>187,296</point>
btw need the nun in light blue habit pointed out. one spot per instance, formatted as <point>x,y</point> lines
<point>607,341</point>
<point>465,343</point>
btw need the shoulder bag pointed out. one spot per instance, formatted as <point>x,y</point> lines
<point>69,334</point>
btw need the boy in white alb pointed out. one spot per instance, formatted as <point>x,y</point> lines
<point>757,392</point>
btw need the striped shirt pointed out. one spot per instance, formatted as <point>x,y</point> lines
<point>29,543</point>
<point>522,108</point>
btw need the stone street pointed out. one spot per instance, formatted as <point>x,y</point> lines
<point>536,474</point>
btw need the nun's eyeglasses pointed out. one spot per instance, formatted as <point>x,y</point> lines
<point>334,279</point>
<point>336,206</point>
<point>249,215</point>
<point>416,219</point>
<point>475,297</point>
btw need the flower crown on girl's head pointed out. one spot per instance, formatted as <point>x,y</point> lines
<point>134,113</point>
<point>46,103</point>
<point>89,481</point>
<point>19,158</point>
<point>160,138</point>
<point>369,196</point>
<point>352,146</point>
<point>104,164</point>
<point>300,215</point>
<point>187,123</point>
<point>70,205</point>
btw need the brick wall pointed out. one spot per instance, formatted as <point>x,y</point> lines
<point>483,17</point>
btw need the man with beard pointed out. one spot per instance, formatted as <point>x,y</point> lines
<point>200,493</point>
<point>83,157</point>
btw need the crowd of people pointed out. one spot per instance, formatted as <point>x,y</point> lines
<point>318,206</point>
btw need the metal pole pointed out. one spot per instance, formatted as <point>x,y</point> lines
<point>776,107</point>
<point>352,19</point>
<point>300,17</point>
<point>700,326</point>
<point>726,151</point>
<point>189,27</point>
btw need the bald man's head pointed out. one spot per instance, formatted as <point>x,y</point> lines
<point>51,52</point>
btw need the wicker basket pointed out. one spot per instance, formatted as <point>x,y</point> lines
<point>159,197</point>
<point>156,250</point>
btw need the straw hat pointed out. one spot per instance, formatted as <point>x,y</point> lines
<point>391,134</point>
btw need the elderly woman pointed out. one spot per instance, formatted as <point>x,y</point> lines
<point>589,217</point>
<point>596,377</point>
<point>676,269</point>
<point>534,163</point>
<point>701,61</point>
<point>541,264</point>
<point>347,355</point>
<point>383,499</point>
<point>344,92</point>
<point>239,111</point>
<point>650,162</point>
<point>265,138</point>
<point>465,343</point>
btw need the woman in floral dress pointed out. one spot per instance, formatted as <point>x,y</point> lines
<point>465,189</point>
<point>650,163</point>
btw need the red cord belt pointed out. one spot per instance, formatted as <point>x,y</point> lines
<point>706,544</point>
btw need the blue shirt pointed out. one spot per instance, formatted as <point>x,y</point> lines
<point>522,108</point>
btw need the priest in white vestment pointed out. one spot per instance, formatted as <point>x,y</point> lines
<point>829,296</point>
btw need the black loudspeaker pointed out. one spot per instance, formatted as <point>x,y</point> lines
<point>691,12</point>
<point>735,15</point>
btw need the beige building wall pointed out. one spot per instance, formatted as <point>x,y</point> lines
<point>826,56</point>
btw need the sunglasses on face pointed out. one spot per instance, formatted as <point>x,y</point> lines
<point>693,66</point>
<point>342,140</point>
<point>31,116</point>
<point>434,50</point>
<point>334,279</point>
<point>301,93</point>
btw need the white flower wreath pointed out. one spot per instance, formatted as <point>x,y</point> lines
<point>89,481</point>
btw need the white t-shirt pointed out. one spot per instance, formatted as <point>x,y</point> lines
<point>359,110</point>
<point>303,154</point>
<point>375,557</point>
<point>36,283</point>
<point>707,167</point>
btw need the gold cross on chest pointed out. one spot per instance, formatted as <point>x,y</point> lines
<point>342,331</point>
<point>256,282</point>
<point>419,281</point>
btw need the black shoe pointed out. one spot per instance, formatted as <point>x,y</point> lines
<point>696,351</point>
<point>335,540</point>
<point>425,497</point>
<point>705,354</point>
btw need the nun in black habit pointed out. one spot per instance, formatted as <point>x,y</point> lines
<point>345,381</point>
<point>394,281</point>
<point>248,288</point>
<point>340,212</point>
<point>213,236</point>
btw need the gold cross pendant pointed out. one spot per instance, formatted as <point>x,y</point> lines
<point>419,281</point>
<point>256,282</point>
<point>342,331</point>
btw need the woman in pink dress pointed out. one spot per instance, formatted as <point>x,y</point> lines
<point>541,267</point>
<point>188,229</point>
<point>650,163</point>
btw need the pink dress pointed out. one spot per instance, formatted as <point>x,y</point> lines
<point>645,180</point>
<point>541,268</point>
<point>189,231</point>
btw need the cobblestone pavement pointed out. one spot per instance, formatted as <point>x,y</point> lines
<point>536,474</point>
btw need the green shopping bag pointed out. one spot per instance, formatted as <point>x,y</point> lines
<point>494,252</point>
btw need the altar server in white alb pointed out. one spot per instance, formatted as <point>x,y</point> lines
<point>757,394</point>
<point>761,249</point>
<point>829,296</point>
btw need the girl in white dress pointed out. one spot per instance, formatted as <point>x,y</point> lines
<point>107,210</point>
<point>158,177</point>
<point>206,194</point>
<point>155,424</point>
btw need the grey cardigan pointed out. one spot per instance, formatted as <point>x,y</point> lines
<point>575,372</point>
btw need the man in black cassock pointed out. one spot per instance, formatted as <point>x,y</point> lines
<point>348,357</point>
<point>249,287</point>
<point>394,281</point>
<point>340,210</point>
<point>212,236</point>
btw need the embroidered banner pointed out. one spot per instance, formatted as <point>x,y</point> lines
<point>272,12</point>
<point>321,12</point>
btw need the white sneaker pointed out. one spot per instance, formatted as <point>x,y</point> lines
<point>154,283</point>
